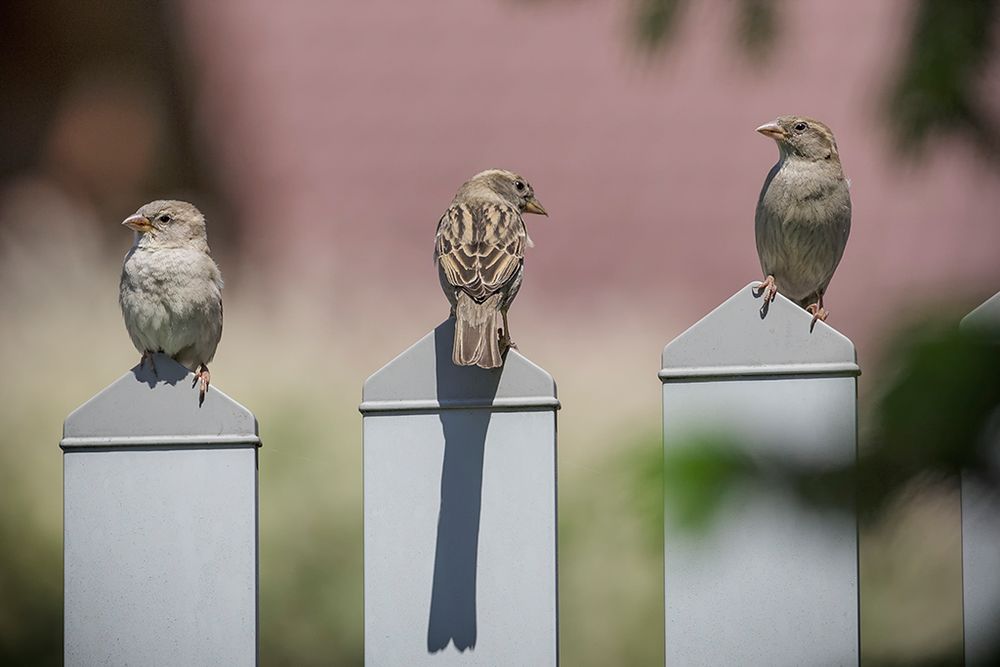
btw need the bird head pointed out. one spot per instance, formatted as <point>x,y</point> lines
<point>802,137</point>
<point>509,187</point>
<point>168,223</point>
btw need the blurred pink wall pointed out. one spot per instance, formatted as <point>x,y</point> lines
<point>343,130</point>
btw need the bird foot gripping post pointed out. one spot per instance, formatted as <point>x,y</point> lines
<point>459,510</point>
<point>160,524</point>
<point>765,580</point>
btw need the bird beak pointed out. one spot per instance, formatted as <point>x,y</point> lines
<point>772,130</point>
<point>534,206</point>
<point>139,223</point>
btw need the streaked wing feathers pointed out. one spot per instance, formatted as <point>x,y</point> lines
<point>480,247</point>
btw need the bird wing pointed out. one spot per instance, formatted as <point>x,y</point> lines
<point>480,247</point>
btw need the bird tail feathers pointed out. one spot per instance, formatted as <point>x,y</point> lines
<point>477,341</point>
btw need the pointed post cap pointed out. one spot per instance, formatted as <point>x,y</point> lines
<point>985,316</point>
<point>734,340</point>
<point>425,378</point>
<point>144,409</point>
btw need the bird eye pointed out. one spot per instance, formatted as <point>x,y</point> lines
<point>519,185</point>
<point>800,127</point>
<point>164,218</point>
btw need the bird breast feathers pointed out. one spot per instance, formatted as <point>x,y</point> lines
<point>167,270</point>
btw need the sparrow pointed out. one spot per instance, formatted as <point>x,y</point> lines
<point>171,289</point>
<point>803,214</point>
<point>479,250</point>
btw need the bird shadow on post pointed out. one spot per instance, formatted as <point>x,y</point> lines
<point>453,593</point>
<point>167,370</point>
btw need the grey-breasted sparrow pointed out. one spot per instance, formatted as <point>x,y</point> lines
<point>803,215</point>
<point>171,289</point>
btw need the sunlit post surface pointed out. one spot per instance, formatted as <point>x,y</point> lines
<point>160,524</point>
<point>459,510</point>
<point>766,581</point>
<point>981,536</point>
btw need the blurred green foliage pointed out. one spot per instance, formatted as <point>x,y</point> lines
<point>938,88</point>
<point>935,416</point>
<point>30,590</point>
<point>656,22</point>
<point>699,477</point>
<point>937,411</point>
<point>611,554</point>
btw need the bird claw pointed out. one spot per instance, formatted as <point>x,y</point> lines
<point>202,378</point>
<point>818,312</point>
<point>505,342</point>
<point>767,288</point>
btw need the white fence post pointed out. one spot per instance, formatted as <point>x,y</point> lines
<point>981,539</point>
<point>160,525</point>
<point>768,582</point>
<point>460,510</point>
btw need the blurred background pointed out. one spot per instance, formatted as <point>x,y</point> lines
<point>324,140</point>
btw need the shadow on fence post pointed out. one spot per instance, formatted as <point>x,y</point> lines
<point>981,538</point>
<point>160,524</point>
<point>460,510</point>
<point>766,582</point>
